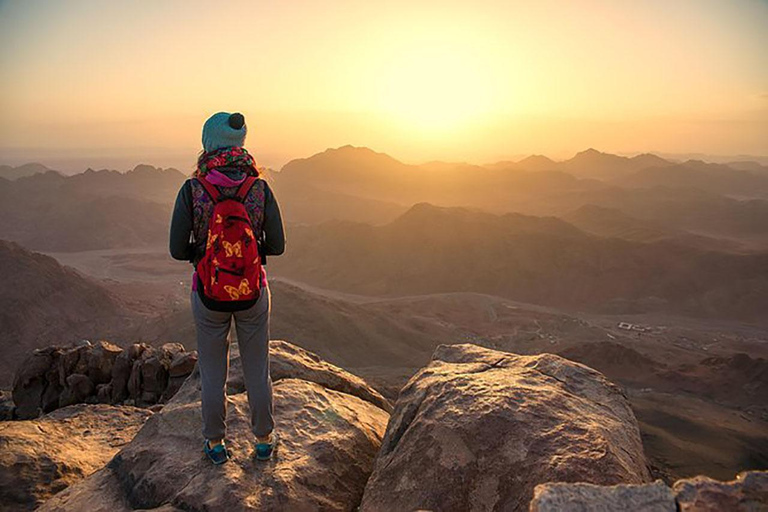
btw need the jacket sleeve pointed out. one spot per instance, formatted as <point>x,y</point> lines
<point>181,225</point>
<point>274,234</point>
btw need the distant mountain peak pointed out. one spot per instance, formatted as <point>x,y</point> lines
<point>344,157</point>
<point>592,155</point>
<point>353,150</point>
<point>537,159</point>
<point>23,171</point>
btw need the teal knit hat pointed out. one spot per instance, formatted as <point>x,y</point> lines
<point>223,130</point>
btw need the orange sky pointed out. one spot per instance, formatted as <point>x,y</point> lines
<point>477,81</point>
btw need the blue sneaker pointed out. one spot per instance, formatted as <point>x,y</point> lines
<point>264,451</point>
<point>218,454</point>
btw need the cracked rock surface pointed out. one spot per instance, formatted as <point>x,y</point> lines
<point>40,457</point>
<point>478,429</point>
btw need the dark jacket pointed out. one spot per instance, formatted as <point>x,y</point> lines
<point>181,244</point>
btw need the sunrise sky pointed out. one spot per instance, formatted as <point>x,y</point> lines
<point>118,83</point>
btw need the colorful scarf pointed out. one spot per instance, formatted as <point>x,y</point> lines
<point>226,157</point>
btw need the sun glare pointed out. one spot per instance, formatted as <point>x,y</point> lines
<point>434,89</point>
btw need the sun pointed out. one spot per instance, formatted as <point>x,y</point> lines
<point>436,88</point>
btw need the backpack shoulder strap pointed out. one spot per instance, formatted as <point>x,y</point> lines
<point>212,191</point>
<point>245,187</point>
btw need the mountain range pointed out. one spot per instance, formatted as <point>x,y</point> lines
<point>539,260</point>
<point>91,210</point>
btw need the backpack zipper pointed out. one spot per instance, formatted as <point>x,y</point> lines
<point>227,271</point>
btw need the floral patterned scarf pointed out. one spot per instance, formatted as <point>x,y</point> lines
<point>226,157</point>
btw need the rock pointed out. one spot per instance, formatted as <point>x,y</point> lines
<point>43,456</point>
<point>52,393</point>
<point>182,364</point>
<point>101,358</point>
<point>290,361</point>
<point>174,384</point>
<point>478,429</point>
<point>748,493</point>
<point>68,362</point>
<point>79,387</point>
<point>154,374</point>
<point>134,381</point>
<point>44,381</point>
<point>328,442</point>
<point>121,372</point>
<point>104,393</point>
<point>7,406</point>
<point>655,497</point>
<point>30,382</point>
<point>171,350</point>
<point>100,492</point>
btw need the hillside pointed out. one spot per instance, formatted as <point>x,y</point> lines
<point>362,337</point>
<point>605,166</point>
<point>43,300</point>
<point>91,210</point>
<point>536,260</point>
<point>715,178</point>
<point>9,172</point>
<point>613,223</point>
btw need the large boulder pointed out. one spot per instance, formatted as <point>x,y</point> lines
<point>655,497</point>
<point>290,361</point>
<point>100,360</point>
<point>121,371</point>
<point>43,456</point>
<point>31,380</point>
<point>328,442</point>
<point>748,493</point>
<point>478,429</point>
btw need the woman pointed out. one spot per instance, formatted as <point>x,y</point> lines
<point>228,180</point>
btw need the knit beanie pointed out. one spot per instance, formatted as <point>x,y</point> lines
<point>223,130</point>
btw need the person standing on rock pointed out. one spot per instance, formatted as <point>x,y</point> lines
<point>226,221</point>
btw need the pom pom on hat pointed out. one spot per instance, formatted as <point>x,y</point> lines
<point>223,130</point>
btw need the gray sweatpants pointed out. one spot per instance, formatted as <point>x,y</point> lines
<point>252,326</point>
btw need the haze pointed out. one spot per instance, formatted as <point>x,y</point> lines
<point>123,82</point>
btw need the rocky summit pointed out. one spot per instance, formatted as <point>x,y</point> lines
<point>475,430</point>
<point>478,429</point>
<point>328,441</point>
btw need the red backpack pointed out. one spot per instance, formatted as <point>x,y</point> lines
<point>230,271</point>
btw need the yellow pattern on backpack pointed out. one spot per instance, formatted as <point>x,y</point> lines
<point>233,249</point>
<point>235,293</point>
<point>211,239</point>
